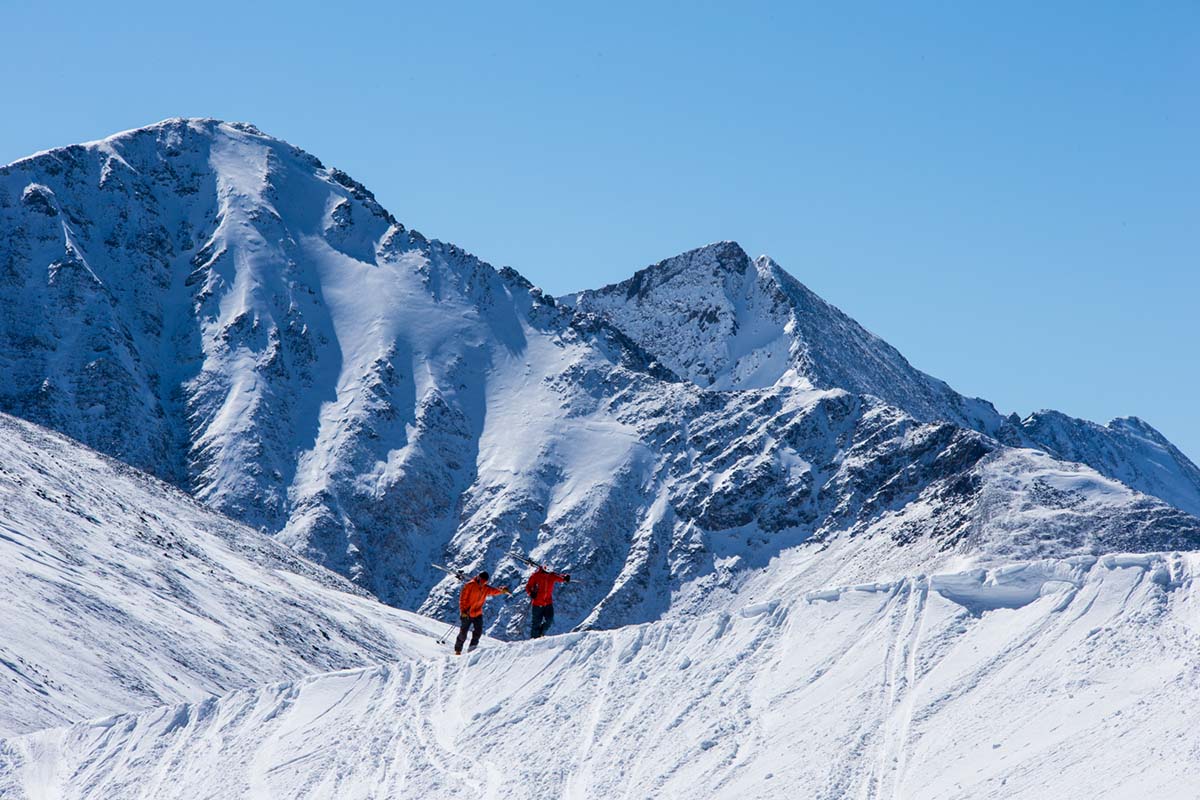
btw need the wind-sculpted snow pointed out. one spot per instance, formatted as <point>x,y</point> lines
<point>1067,678</point>
<point>118,593</point>
<point>220,308</point>
<point>725,321</point>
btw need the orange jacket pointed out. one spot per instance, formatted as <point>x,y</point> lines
<point>540,587</point>
<point>473,595</point>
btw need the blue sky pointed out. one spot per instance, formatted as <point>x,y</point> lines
<point>1009,194</point>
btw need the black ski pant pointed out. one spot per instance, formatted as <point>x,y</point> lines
<point>542,617</point>
<point>468,622</point>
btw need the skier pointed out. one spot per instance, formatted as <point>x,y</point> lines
<point>475,593</point>
<point>540,588</point>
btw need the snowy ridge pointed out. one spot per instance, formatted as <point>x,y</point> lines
<point>734,704</point>
<point>1127,449</point>
<point>120,593</point>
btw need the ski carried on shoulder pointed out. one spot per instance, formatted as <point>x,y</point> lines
<point>458,573</point>
<point>519,556</point>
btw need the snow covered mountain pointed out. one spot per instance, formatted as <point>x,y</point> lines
<point>725,321</point>
<point>118,593</point>
<point>218,307</point>
<point>802,564</point>
<point>215,306</point>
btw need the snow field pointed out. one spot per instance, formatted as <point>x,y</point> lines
<point>889,690</point>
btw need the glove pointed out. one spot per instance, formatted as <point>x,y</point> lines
<point>566,578</point>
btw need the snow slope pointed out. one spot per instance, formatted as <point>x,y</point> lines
<point>119,592</point>
<point>726,321</point>
<point>1055,678</point>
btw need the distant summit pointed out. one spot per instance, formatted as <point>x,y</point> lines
<point>725,321</point>
<point>729,322</point>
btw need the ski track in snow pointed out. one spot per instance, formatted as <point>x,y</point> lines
<point>881,692</point>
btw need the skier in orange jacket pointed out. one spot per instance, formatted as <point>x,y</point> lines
<point>540,588</point>
<point>475,593</point>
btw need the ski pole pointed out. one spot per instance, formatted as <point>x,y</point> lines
<point>462,577</point>
<point>446,636</point>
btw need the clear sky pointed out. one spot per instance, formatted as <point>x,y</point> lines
<point>1009,194</point>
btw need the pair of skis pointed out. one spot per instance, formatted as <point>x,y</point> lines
<point>519,556</point>
<point>458,573</point>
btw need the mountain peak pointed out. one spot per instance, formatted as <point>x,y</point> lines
<point>703,264</point>
<point>728,322</point>
<point>725,249</point>
<point>208,124</point>
<point>694,311</point>
<point>202,125</point>
<point>1138,427</point>
<point>171,127</point>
